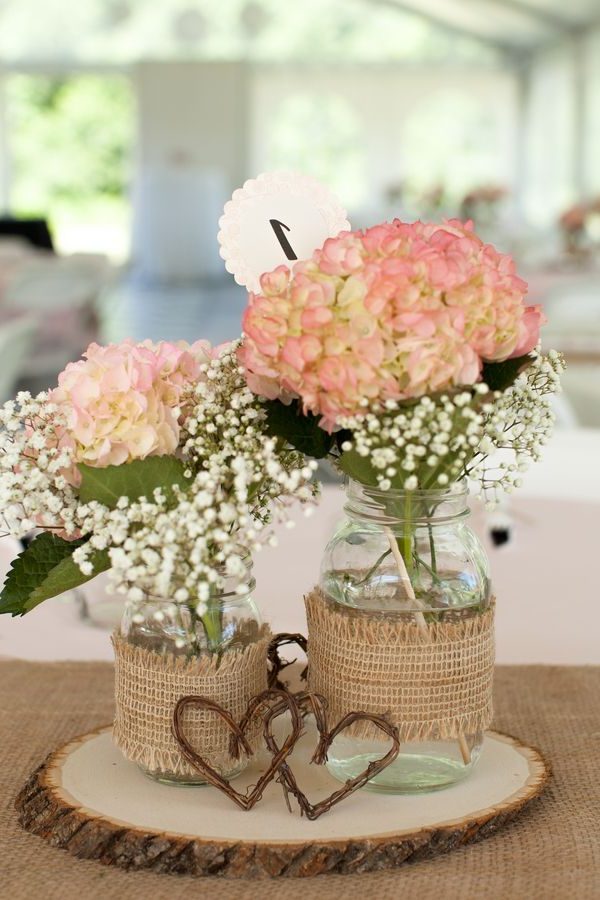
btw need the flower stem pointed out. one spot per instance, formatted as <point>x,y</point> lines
<point>373,568</point>
<point>432,555</point>
<point>212,621</point>
<point>188,625</point>
<point>435,577</point>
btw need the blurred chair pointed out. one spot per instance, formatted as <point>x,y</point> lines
<point>34,231</point>
<point>565,412</point>
<point>46,284</point>
<point>581,385</point>
<point>62,293</point>
<point>14,253</point>
<point>572,304</point>
<point>16,342</point>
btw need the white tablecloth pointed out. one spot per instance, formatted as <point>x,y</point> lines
<point>545,580</point>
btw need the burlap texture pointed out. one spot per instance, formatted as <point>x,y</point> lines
<point>551,852</point>
<point>431,688</point>
<point>148,685</point>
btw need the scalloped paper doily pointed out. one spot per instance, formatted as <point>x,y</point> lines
<point>274,220</point>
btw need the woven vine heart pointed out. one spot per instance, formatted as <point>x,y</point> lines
<point>276,663</point>
<point>316,704</point>
<point>298,705</point>
<point>238,740</point>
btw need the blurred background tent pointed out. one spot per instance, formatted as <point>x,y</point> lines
<point>125,125</point>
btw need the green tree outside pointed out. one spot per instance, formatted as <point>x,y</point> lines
<point>71,145</point>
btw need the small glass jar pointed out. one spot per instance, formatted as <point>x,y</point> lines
<point>97,607</point>
<point>407,556</point>
<point>228,621</point>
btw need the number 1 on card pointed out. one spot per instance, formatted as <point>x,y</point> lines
<point>278,228</point>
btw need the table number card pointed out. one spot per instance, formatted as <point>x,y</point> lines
<point>274,220</point>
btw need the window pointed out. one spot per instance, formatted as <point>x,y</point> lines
<point>454,140</point>
<point>70,141</point>
<point>321,135</point>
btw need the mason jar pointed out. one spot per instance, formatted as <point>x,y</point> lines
<point>188,648</point>
<point>407,564</point>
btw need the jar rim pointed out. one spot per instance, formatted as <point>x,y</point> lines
<point>454,490</point>
<point>426,505</point>
<point>250,585</point>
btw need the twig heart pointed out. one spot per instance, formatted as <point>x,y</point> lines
<point>277,664</point>
<point>238,742</point>
<point>315,703</point>
<point>277,700</point>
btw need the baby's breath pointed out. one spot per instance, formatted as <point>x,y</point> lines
<point>436,440</point>
<point>181,545</point>
<point>33,459</point>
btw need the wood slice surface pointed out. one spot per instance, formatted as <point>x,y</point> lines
<point>87,799</point>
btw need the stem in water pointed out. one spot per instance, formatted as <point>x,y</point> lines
<point>373,568</point>
<point>212,620</point>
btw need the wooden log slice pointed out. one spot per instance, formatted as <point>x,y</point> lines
<point>87,799</point>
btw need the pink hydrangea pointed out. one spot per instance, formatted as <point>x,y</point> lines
<point>121,401</point>
<point>393,312</point>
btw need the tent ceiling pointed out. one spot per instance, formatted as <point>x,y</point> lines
<point>124,31</point>
<point>520,24</point>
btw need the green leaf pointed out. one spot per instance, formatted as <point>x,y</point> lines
<point>300,430</point>
<point>135,479</point>
<point>500,375</point>
<point>66,576</point>
<point>358,467</point>
<point>44,569</point>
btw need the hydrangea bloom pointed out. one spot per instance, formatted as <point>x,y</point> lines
<point>396,311</point>
<point>121,402</point>
<point>174,544</point>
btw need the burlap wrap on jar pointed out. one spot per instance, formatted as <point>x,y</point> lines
<point>148,685</point>
<point>434,688</point>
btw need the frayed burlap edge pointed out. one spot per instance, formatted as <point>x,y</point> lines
<point>434,687</point>
<point>149,684</point>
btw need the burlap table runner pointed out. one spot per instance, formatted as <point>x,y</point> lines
<point>432,688</point>
<point>148,685</point>
<point>551,852</point>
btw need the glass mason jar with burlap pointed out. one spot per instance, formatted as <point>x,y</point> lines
<point>402,625</point>
<point>166,650</point>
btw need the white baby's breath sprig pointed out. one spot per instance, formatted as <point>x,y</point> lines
<point>35,454</point>
<point>517,424</point>
<point>432,442</point>
<point>241,480</point>
<point>181,545</point>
